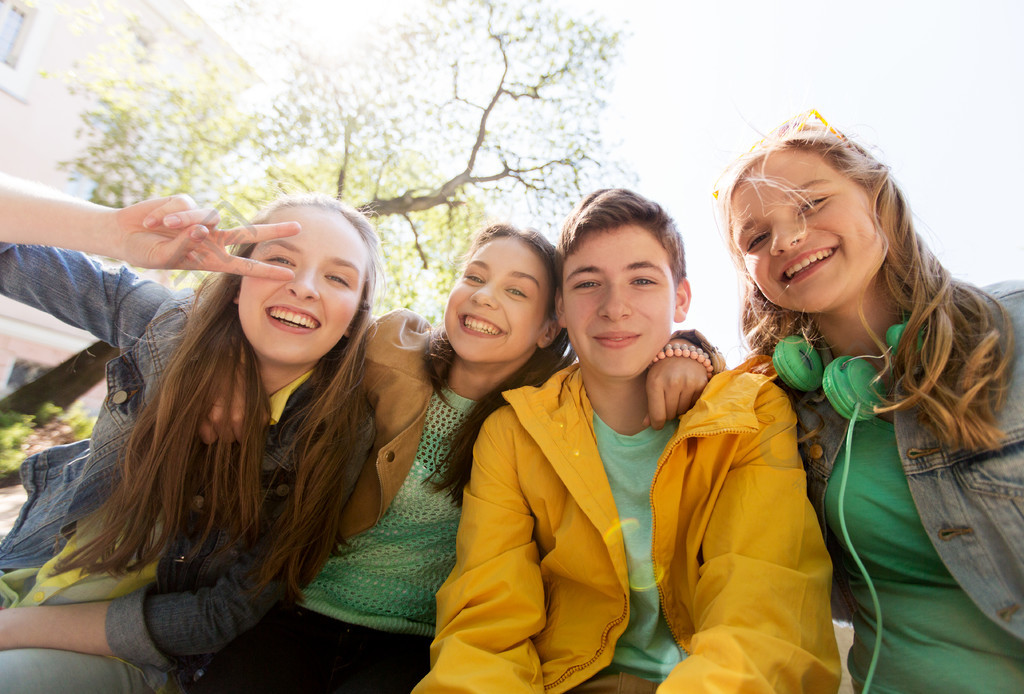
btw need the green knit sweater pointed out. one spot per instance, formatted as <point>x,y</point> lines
<point>386,578</point>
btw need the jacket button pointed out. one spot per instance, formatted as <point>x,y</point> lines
<point>815,451</point>
<point>282,490</point>
<point>197,502</point>
<point>389,456</point>
<point>120,397</point>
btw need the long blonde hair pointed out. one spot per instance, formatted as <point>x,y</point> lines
<point>165,469</point>
<point>958,379</point>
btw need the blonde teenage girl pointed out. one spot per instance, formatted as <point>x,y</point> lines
<point>177,546</point>
<point>914,445</point>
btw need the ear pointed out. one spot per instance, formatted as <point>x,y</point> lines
<point>549,332</point>
<point>682,300</point>
<point>560,308</point>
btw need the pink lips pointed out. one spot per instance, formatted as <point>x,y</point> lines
<point>616,340</point>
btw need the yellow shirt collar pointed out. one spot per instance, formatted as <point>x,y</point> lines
<point>280,397</point>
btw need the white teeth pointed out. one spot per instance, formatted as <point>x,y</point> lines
<point>299,319</point>
<point>790,271</point>
<point>480,326</point>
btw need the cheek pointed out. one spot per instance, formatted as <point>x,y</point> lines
<point>757,268</point>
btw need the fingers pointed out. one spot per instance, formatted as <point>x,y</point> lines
<point>223,423</point>
<point>255,233</point>
<point>173,218</point>
<point>248,267</point>
<point>159,208</point>
<point>657,406</point>
<point>237,414</point>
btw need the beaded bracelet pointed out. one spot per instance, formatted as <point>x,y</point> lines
<point>688,351</point>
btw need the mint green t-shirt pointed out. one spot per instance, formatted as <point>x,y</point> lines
<point>386,577</point>
<point>646,649</point>
<point>934,638</point>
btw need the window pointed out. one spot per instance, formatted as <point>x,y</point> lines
<point>14,27</point>
<point>24,29</point>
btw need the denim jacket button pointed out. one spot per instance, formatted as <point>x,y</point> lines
<point>119,398</point>
<point>197,502</point>
<point>282,490</point>
<point>815,451</point>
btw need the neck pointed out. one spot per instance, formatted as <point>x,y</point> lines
<point>622,405</point>
<point>475,381</point>
<point>849,334</point>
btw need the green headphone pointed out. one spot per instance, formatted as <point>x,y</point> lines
<point>846,381</point>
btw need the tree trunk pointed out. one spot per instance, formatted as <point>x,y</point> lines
<point>64,383</point>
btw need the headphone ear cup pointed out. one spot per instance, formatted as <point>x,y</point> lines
<point>798,364</point>
<point>893,336</point>
<point>848,381</point>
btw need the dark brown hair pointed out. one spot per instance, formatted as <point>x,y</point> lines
<point>545,361</point>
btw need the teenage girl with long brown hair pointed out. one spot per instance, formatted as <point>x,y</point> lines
<point>173,546</point>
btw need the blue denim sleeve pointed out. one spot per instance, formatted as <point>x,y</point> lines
<point>114,304</point>
<point>148,628</point>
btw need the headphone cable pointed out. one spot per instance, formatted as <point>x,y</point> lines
<point>856,558</point>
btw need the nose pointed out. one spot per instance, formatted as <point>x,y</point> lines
<point>787,234</point>
<point>614,305</point>
<point>484,297</point>
<point>303,286</point>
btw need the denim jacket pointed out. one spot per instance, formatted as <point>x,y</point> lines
<point>200,602</point>
<point>971,503</point>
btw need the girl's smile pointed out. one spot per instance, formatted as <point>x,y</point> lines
<point>293,319</point>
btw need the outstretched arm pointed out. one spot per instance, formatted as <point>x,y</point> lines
<point>170,233</point>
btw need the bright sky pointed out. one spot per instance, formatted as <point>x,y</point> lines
<point>935,86</point>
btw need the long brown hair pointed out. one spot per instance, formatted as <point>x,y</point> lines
<point>958,379</point>
<point>545,361</point>
<point>165,469</point>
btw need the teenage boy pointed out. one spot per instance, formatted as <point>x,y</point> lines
<point>599,555</point>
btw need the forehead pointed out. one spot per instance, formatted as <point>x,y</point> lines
<point>785,172</point>
<point>617,249</point>
<point>511,255</point>
<point>326,234</point>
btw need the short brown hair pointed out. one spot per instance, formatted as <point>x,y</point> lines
<point>611,208</point>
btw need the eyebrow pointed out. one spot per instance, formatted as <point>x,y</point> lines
<point>514,273</point>
<point>639,265</point>
<point>750,225</point>
<point>337,260</point>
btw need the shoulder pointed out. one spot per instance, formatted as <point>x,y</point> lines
<point>397,338</point>
<point>1008,291</point>
<point>747,388</point>
<point>558,402</point>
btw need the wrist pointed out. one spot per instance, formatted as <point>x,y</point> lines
<point>678,348</point>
